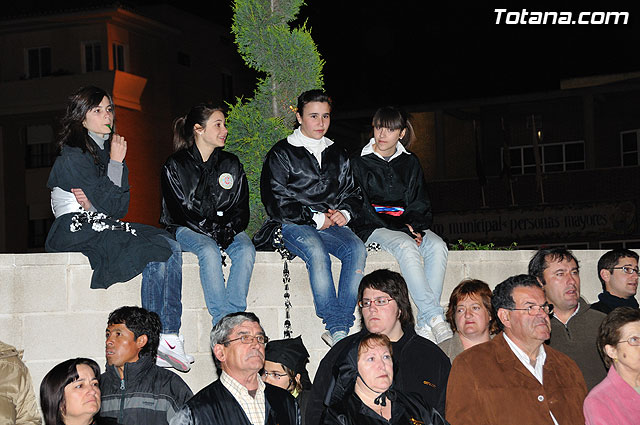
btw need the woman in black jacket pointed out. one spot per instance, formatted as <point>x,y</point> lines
<point>205,203</point>
<point>397,216</point>
<point>363,394</point>
<point>89,184</point>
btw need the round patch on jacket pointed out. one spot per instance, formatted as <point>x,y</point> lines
<point>226,180</point>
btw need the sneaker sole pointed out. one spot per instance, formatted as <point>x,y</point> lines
<point>327,339</point>
<point>174,362</point>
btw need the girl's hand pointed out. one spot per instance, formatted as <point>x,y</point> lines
<point>327,222</point>
<point>337,217</point>
<point>82,198</point>
<point>118,148</point>
<point>417,236</point>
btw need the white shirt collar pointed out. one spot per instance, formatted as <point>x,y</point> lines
<point>368,149</point>
<point>536,370</point>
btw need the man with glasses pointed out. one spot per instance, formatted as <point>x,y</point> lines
<point>515,378</point>
<point>239,396</point>
<point>618,274</point>
<point>421,367</point>
<point>574,324</point>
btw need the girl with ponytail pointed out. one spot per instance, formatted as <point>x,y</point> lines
<point>205,204</point>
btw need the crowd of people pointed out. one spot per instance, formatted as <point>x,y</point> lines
<point>532,351</point>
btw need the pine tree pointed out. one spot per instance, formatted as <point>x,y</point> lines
<point>290,63</point>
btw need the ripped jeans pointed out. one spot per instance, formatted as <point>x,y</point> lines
<point>313,247</point>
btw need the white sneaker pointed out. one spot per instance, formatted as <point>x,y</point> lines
<point>426,332</point>
<point>171,350</point>
<point>332,338</point>
<point>166,364</point>
<point>440,328</point>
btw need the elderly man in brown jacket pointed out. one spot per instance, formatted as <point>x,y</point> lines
<point>17,400</point>
<point>515,378</point>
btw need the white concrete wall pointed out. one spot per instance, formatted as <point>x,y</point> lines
<point>48,310</point>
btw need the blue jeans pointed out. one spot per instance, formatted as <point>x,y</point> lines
<point>161,290</point>
<point>221,300</point>
<point>423,267</point>
<point>313,247</point>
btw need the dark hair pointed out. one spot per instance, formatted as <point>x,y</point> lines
<point>503,292</point>
<point>73,133</point>
<point>141,322</point>
<point>471,288</point>
<point>539,262</point>
<point>394,118</point>
<point>183,126</point>
<point>315,95</point>
<point>610,259</point>
<point>609,330</point>
<point>52,387</point>
<point>225,326</point>
<point>392,284</point>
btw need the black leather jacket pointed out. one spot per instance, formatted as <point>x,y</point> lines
<point>293,187</point>
<point>210,197</point>
<point>399,182</point>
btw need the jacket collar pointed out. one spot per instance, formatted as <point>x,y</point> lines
<point>607,298</point>
<point>133,371</point>
<point>195,153</point>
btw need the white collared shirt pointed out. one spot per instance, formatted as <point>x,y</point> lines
<point>400,149</point>
<point>254,407</point>
<point>536,370</point>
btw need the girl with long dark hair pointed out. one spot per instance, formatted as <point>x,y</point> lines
<point>89,196</point>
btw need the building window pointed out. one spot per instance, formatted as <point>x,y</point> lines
<point>38,62</point>
<point>92,56</point>
<point>629,151</point>
<point>554,157</point>
<point>41,151</point>
<point>119,56</point>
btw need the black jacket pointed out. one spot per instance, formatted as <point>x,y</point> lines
<point>117,251</point>
<point>148,394</point>
<point>405,410</point>
<point>209,197</point>
<point>293,187</point>
<point>399,182</point>
<point>420,367</point>
<point>215,405</point>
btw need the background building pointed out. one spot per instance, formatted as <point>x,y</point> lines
<point>487,184</point>
<point>157,61</point>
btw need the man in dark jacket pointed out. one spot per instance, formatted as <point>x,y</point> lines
<point>239,396</point>
<point>135,390</point>
<point>420,366</point>
<point>618,274</point>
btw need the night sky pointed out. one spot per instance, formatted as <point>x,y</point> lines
<point>411,52</point>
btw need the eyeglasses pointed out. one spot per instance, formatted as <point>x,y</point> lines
<point>379,302</point>
<point>248,339</point>
<point>627,269</point>
<point>633,340</point>
<point>535,309</point>
<point>274,375</point>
